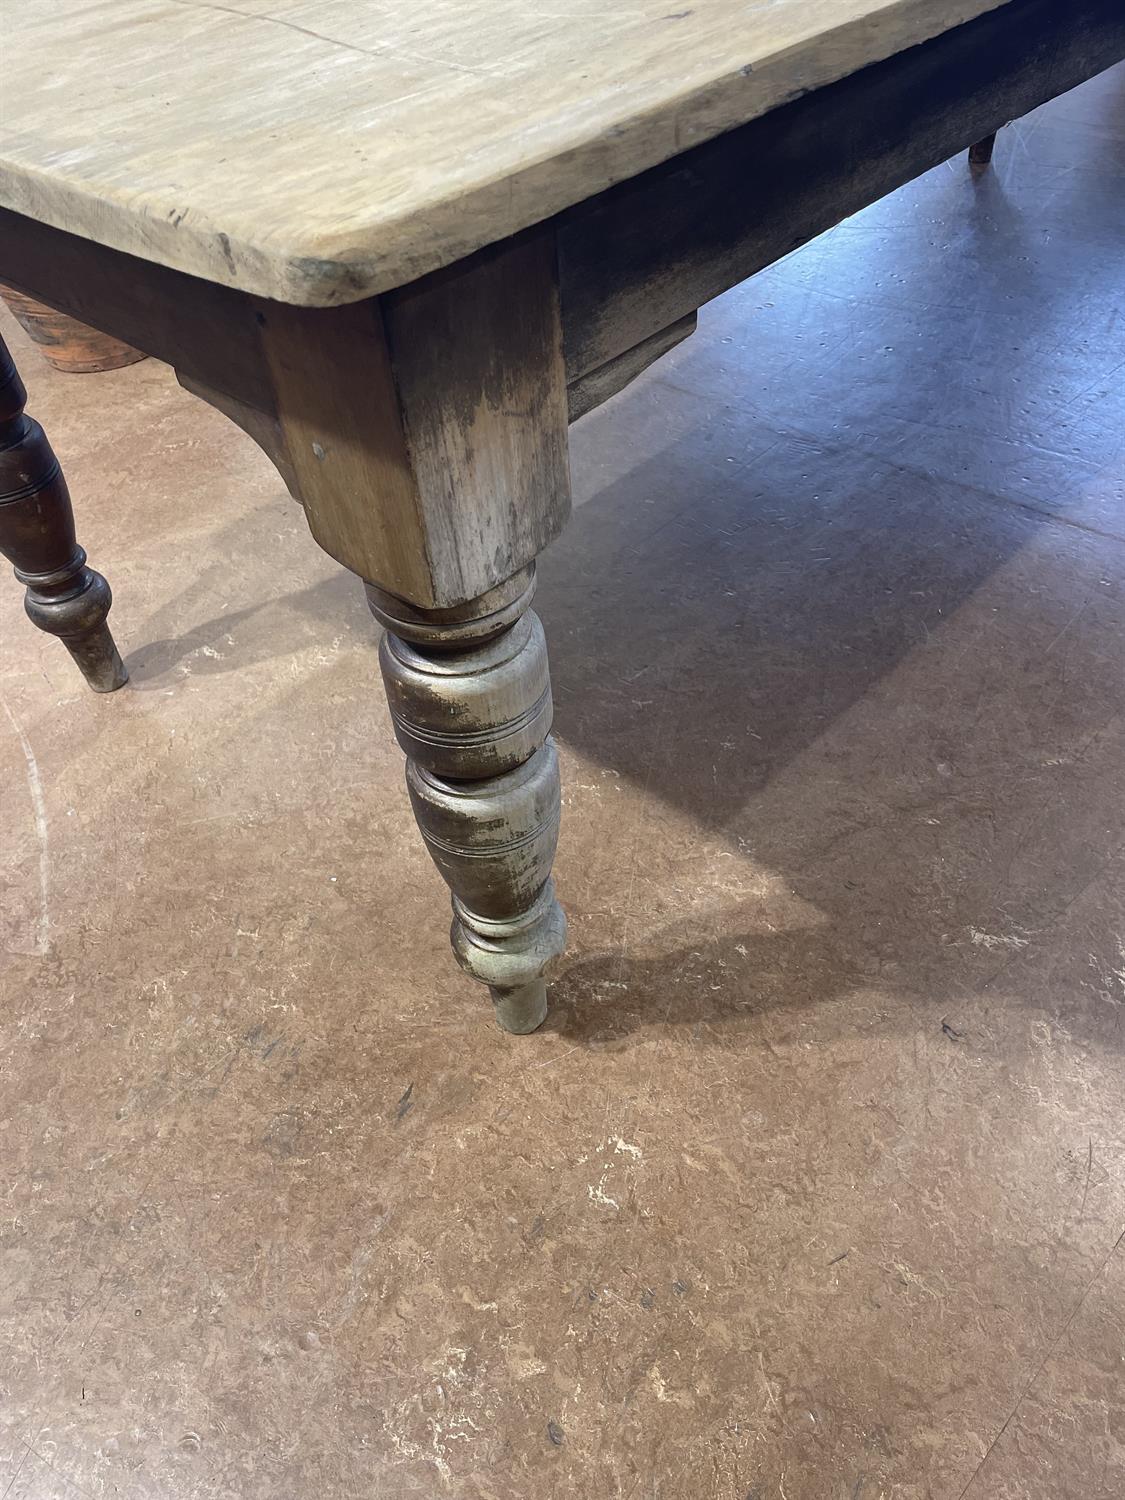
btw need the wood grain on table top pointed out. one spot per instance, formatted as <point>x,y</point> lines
<point>319,151</point>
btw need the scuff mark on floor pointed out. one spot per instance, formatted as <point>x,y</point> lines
<point>39,811</point>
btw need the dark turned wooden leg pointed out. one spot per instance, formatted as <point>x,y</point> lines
<point>980,152</point>
<point>64,596</point>
<point>470,699</point>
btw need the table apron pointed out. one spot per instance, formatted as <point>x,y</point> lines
<point>635,262</point>
<point>646,253</point>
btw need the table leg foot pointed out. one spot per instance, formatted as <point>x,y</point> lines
<point>76,612</point>
<point>470,700</point>
<point>522,1010</point>
<point>64,597</point>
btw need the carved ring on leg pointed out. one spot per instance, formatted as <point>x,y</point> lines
<point>470,700</point>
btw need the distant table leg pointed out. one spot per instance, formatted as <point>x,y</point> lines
<point>980,153</point>
<point>64,596</point>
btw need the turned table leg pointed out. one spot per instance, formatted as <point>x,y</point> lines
<point>64,596</point>
<point>425,435</point>
<point>980,152</point>
<point>470,699</point>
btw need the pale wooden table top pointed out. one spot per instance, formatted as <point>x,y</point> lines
<point>319,151</point>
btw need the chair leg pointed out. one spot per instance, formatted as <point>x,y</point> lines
<point>64,597</point>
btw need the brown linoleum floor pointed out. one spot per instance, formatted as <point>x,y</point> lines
<point>813,1187</point>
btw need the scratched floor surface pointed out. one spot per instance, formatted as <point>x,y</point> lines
<point>813,1188</point>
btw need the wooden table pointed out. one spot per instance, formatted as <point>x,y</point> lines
<point>403,246</point>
